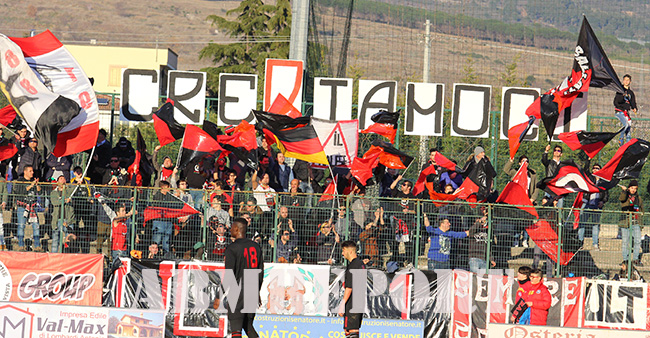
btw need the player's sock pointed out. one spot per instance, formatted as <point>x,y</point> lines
<point>347,335</point>
<point>354,335</point>
<point>236,334</point>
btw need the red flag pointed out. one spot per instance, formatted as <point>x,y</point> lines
<point>362,167</point>
<point>420,183</point>
<point>516,134</point>
<point>329,192</point>
<point>516,192</point>
<point>243,136</point>
<point>282,106</point>
<point>568,178</point>
<point>384,129</point>
<point>390,156</point>
<point>515,195</point>
<point>7,115</point>
<point>442,161</point>
<point>439,199</point>
<point>7,150</point>
<point>467,189</point>
<point>162,212</point>
<point>546,238</point>
<point>577,205</point>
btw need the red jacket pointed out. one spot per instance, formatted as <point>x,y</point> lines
<point>541,298</point>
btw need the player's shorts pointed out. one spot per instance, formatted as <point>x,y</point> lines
<point>242,321</point>
<point>352,321</point>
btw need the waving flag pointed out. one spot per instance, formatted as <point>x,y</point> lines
<point>591,68</point>
<point>477,184</point>
<point>7,149</point>
<point>282,106</point>
<point>329,192</point>
<point>577,207</point>
<point>241,142</point>
<point>7,115</point>
<point>545,236</point>
<point>296,138</point>
<point>422,178</point>
<point>568,178</point>
<point>590,142</point>
<point>362,167</point>
<point>516,192</point>
<point>390,156</point>
<point>627,162</point>
<point>196,144</point>
<point>385,124</point>
<point>170,210</point>
<point>64,127</point>
<point>167,129</point>
<point>439,199</point>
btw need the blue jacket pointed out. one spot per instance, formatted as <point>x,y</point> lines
<point>441,243</point>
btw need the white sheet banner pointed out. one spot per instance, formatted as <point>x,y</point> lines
<point>139,98</point>
<point>373,97</point>
<point>237,97</point>
<point>187,90</point>
<point>470,110</point>
<point>306,287</point>
<point>333,98</point>
<point>283,77</point>
<point>424,108</point>
<point>514,102</point>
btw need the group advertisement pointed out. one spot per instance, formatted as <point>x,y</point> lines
<point>73,279</point>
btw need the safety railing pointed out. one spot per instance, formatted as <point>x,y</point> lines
<point>309,228</point>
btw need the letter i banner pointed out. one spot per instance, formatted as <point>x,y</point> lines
<point>71,279</point>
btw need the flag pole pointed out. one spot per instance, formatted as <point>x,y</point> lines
<point>180,150</point>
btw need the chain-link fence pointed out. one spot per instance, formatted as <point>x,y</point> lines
<point>390,233</point>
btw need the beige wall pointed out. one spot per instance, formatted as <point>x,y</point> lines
<point>104,63</point>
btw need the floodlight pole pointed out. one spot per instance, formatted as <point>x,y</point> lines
<point>425,78</point>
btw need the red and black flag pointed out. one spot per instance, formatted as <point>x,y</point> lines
<point>516,192</point>
<point>168,209</point>
<point>391,157</point>
<point>196,144</point>
<point>167,129</point>
<point>517,134</point>
<point>439,199</point>
<point>385,124</point>
<point>420,184</point>
<point>577,207</point>
<point>627,162</point>
<point>296,138</point>
<point>545,236</point>
<point>362,168</point>
<point>590,142</point>
<point>241,141</point>
<point>568,178</point>
<point>141,170</point>
<point>211,128</point>
<point>7,149</point>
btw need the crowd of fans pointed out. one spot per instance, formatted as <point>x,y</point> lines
<point>284,204</point>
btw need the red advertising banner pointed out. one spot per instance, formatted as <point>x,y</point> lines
<point>72,279</point>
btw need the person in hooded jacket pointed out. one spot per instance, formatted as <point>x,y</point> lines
<point>520,311</point>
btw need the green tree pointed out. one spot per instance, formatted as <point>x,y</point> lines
<point>262,31</point>
<point>470,73</point>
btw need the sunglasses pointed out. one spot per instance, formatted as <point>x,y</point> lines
<point>557,151</point>
<point>286,234</point>
<point>115,160</point>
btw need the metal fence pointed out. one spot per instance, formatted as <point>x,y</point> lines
<point>308,228</point>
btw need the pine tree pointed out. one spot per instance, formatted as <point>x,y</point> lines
<point>262,31</point>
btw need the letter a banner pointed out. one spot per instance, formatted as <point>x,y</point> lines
<point>72,279</point>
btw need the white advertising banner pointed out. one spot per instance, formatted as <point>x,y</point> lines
<point>530,331</point>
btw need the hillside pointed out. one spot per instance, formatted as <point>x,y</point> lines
<point>380,48</point>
